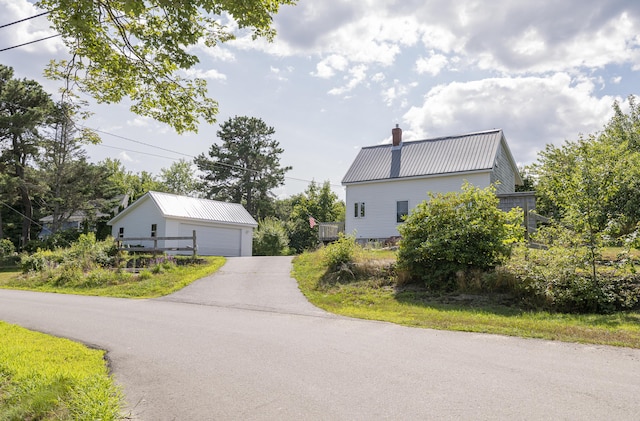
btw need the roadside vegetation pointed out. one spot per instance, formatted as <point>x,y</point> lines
<point>91,267</point>
<point>367,285</point>
<point>47,378</point>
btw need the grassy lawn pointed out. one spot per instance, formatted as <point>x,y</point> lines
<point>146,284</point>
<point>379,299</point>
<point>47,378</point>
<point>42,377</point>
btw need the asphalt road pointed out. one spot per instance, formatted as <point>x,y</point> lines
<point>244,344</point>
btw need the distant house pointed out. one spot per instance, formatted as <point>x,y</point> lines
<point>385,182</point>
<point>222,229</point>
<point>77,219</point>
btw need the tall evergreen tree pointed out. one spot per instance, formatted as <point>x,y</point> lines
<point>246,167</point>
<point>24,108</point>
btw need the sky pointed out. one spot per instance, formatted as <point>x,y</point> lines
<point>341,74</point>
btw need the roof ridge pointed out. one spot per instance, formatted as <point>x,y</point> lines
<point>433,139</point>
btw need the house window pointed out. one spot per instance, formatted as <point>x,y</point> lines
<point>358,210</point>
<point>154,230</point>
<point>402,210</point>
<point>121,232</point>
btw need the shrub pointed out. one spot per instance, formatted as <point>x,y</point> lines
<point>7,249</point>
<point>340,252</point>
<point>556,277</point>
<point>457,231</point>
<point>270,239</point>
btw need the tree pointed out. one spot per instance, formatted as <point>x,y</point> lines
<point>456,231</point>
<point>246,167</point>
<point>137,49</point>
<point>24,108</point>
<point>318,202</point>
<point>579,183</point>
<point>179,179</point>
<point>126,182</point>
<point>73,184</point>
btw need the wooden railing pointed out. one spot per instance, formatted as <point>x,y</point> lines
<point>120,243</point>
<point>329,231</point>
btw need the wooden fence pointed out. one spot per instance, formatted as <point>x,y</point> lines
<point>120,243</point>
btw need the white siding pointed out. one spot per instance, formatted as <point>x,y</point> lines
<point>138,223</point>
<point>503,173</point>
<point>380,201</point>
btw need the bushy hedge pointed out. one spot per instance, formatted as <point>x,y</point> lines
<point>457,231</point>
<point>270,238</point>
<point>341,252</point>
<point>555,278</point>
<point>83,255</point>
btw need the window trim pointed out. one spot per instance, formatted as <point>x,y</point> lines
<point>399,216</point>
<point>121,232</point>
<point>359,210</point>
<point>154,230</point>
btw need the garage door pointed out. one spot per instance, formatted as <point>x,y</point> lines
<point>215,241</point>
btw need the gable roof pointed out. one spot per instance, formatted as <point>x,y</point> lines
<point>439,156</point>
<point>184,207</point>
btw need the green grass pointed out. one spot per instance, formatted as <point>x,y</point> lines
<point>379,300</point>
<point>47,378</point>
<point>107,284</point>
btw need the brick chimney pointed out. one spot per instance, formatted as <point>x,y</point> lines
<point>397,135</point>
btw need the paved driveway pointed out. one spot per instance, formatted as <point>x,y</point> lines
<point>244,344</point>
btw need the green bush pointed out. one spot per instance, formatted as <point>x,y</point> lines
<point>7,249</point>
<point>557,278</point>
<point>270,238</point>
<point>340,252</point>
<point>457,231</point>
<point>60,239</point>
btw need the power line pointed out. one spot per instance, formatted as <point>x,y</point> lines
<point>186,155</point>
<point>30,42</point>
<point>128,139</point>
<point>25,19</point>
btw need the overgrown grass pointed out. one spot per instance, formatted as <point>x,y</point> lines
<point>378,298</point>
<point>47,378</point>
<point>148,283</point>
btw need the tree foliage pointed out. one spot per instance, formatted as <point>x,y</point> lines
<point>138,49</point>
<point>24,109</point>
<point>319,202</point>
<point>246,167</point>
<point>270,238</point>
<point>179,179</point>
<point>456,231</point>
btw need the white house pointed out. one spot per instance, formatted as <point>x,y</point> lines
<point>385,181</point>
<point>222,229</point>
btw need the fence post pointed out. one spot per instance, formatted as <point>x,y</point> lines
<point>195,244</point>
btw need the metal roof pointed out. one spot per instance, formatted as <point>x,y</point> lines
<point>443,155</point>
<point>174,206</point>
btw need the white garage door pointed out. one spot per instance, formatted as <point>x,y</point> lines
<point>215,241</point>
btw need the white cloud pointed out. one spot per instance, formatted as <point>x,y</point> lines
<point>140,121</point>
<point>327,67</point>
<point>432,65</point>
<point>211,74</point>
<point>356,75</point>
<point>533,111</point>
<point>29,30</point>
<point>124,156</point>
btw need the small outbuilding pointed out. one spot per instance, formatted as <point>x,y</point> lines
<point>222,229</point>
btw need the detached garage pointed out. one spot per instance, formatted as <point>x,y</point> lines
<point>222,229</point>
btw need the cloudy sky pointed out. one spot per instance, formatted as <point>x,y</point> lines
<point>341,74</point>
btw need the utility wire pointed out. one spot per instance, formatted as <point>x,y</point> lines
<point>30,42</point>
<point>20,213</point>
<point>25,19</point>
<point>171,151</point>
